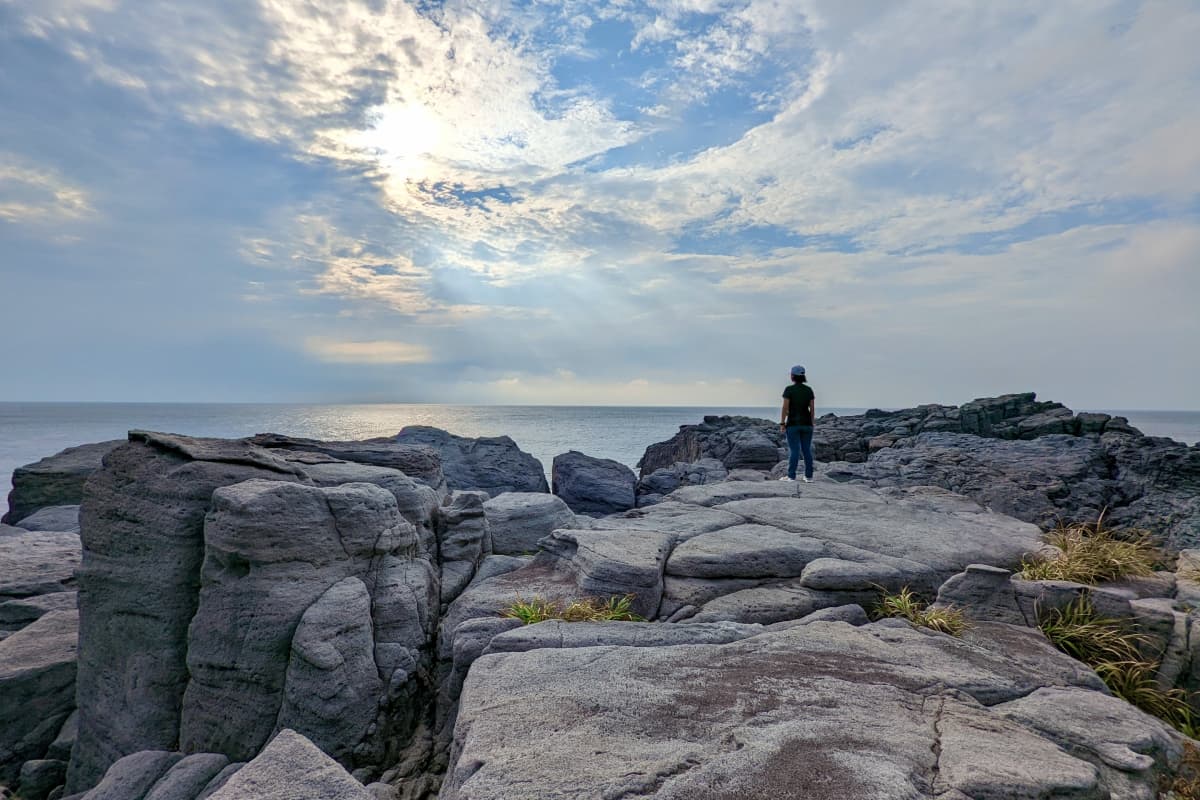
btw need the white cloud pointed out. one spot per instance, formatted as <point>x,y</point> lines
<point>38,195</point>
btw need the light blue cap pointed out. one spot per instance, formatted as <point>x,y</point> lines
<point>797,370</point>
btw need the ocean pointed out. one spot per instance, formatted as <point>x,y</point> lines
<point>29,431</point>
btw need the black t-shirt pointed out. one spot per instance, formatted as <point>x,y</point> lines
<point>799,395</point>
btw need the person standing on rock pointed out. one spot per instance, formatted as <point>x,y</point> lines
<point>796,420</point>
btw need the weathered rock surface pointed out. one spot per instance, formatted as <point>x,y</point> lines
<point>593,485</point>
<point>518,520</point>
<point>188,777</point>
<point>882,710</point>
<point>37,688</point>
<point>664,480</point>
<point>53,518</point>
<point>134,775</point>
<point>464,539</point>
<point>56,480</point>
<point>291,767</point>
<point>15,614</point>
<point>492,464</point>
<point>1035,460</point>
<point>414,460</point>
<point>37,562</point>
<point>143,538</point>
<point>272,553</point>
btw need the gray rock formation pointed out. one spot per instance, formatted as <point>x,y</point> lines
<point>53,518</point>
<point>492,464</point>
<point>882,710</point>
<point>37,562</point>
<point>595,486</point>
<point>37,688</point>
<point>143,539</point>
<point>1036,460</point>
<point>272,592</point>
<point>134,775</point>
<point>661,482</point>
<point>518,520</point>
<point>291,767</point>
<point>414,460</point>
<point>16,614</point>
<point>464,539</point>
<point>1135,481</point>
<point>56,480</point>
<point>188,777</point>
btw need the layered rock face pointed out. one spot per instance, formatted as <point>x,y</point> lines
<point>1038,461</point>
<point>56,480</point>
<point>246,600</point>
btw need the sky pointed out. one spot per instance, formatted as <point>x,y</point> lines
<point>659,202</point>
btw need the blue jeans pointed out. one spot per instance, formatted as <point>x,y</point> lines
<point>799,439</point>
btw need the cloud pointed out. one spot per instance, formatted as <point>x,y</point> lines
<point>38,195</point>
<point>377,352</point>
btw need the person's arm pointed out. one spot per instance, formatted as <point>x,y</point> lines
<point>783,415</point>
<point>812,409</point>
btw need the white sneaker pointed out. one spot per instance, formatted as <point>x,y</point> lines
<point>786,479</point>
<point>808,480</point>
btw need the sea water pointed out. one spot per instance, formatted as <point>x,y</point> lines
<point>29,431</point>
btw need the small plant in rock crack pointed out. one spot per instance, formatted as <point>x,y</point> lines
<point>1113,649</point>
<point>904,604</point>
<point>589,609</point>
<point>1093,552</point>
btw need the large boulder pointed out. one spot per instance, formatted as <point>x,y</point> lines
<point>664,480</point>
<point>591,485</point>
<point>882,710</point>
<point>56,480</point>
<point>36,562</point>
<point>143,546</point>
<point>37,688</point>
<point>518,520</point>
<point>492,464</point>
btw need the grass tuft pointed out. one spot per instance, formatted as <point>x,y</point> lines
<point>589,609</point>
<point>906,605</point>
<point>1092,552</point>
<point>1111,648</point>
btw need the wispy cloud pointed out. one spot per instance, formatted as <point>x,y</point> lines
<point>38,195</point>
<point>380,352</point>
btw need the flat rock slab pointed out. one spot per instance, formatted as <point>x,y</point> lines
<point>37,562</point>
<point>824,711</point>
<point>53,518</point>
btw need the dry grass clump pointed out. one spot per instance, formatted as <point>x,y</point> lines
<point>589,609</point>
<point>1092,553</point>
<point>1111,648</point>
<point>906,605</point>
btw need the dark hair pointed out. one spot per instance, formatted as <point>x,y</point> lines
<point>799,379</point>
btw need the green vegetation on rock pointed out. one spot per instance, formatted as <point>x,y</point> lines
<point>1111,648</point>
<point>906,605</point>
<point>1092,552</point>
<point>589,609</point>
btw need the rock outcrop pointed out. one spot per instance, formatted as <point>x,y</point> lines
<point>335,623</point>
<point>518,520</point>
<point>491,464</point>
<point>591,485</point>
<point>414,460</point>
<point>53,518</point>
<point>1038,461</point>
<point>249,584</point>
<point>876,711</point>
<point>56,480</point>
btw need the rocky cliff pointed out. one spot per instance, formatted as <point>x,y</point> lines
<point>285,618</point>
